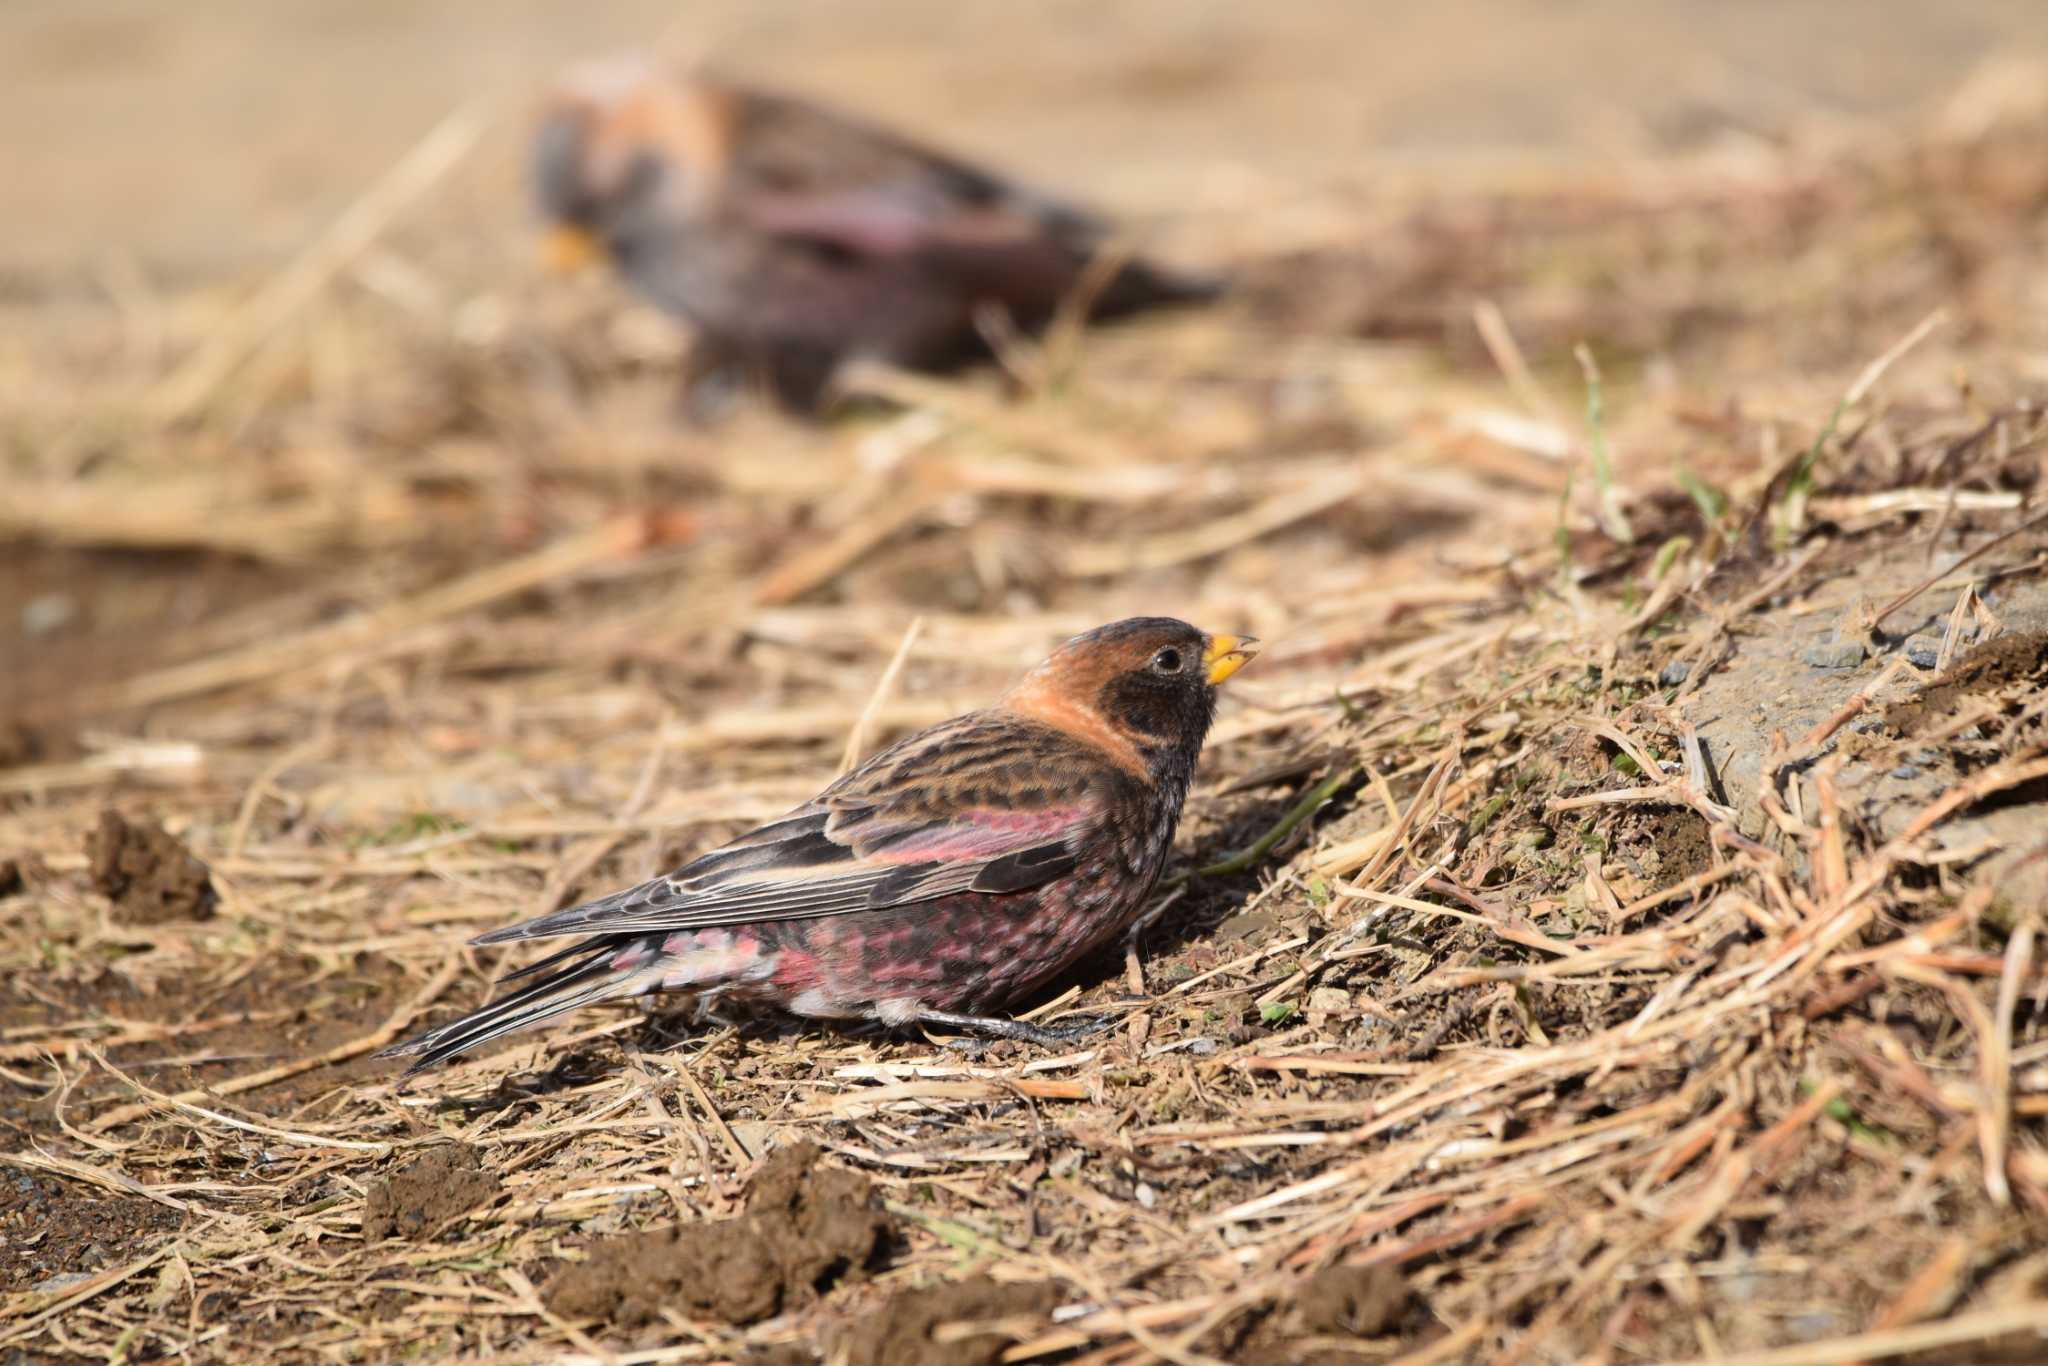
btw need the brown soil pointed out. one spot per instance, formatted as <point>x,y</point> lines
<point>806,1228</point>
<point>200,1028</point>
<point>18,744</point>
<point>1354,1301</point>
<point>1340,1315</point>
<point>1683,844</point>
<point>428,1193</point>
<point>901,1332</point>
<point>74,617</point>
<point>149,876</point>
<point>52,1228</point>
<point>782,1354</point>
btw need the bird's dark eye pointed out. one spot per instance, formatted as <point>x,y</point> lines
<point>1167,661</point>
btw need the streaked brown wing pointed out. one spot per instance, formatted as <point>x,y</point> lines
<point>851,174</point>
<point>984,803</point>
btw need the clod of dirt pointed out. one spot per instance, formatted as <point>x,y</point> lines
<point>900,1332</point>
<point>2015,658</point>
<point>782,1354</point>
<point>2018,658</point>
<point>1684,845</point>
<point>806,1227</point>
<point>149,876</point>
<point>18,745</point>
<point>1353,1301</point>
<point>427,1193</point>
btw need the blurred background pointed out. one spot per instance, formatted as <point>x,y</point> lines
<point>274,339</point>
<point>203,138</point>
<point>272,327</point>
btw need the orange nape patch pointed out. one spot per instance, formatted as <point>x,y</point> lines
<point>1061,692</point>
<point>1043,696</point>
<point>693,124</point>
<point>625,110</point>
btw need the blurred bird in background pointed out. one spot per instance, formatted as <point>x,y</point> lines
<point>951,874</point>
<point>792,237</point>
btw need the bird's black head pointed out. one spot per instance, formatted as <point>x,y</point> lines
<point>1149,682</point>
<point>561,183</point>
<point>611,139</point>
<point>591,197</point>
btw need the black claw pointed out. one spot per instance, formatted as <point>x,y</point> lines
<point>994,1027</point>
<point>1080,1027</point>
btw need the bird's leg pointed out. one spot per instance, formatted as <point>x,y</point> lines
<point>713,380</point>
<point>996,1027</point>
<point>798,376</point>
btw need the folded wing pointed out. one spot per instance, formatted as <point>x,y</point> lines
<point>927,819</point>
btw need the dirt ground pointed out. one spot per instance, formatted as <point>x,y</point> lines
<point>1608,922</point>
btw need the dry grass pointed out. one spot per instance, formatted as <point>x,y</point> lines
<point>1613,1042</point>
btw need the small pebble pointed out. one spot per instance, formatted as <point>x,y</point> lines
<point>483,321</point>
<point>1923,650</point>
<point>1905,773</point>
<point>1813,1324</point>
<point>1329,998</point>
<point>48,613</point>
<point>62,1281</point>
<point>1834,654</point>
<point>1675,673</point>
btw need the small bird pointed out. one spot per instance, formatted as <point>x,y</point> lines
<point>948,875</point>
<point>792,237</point>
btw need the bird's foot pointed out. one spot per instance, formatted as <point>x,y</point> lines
<point>996,1027</point>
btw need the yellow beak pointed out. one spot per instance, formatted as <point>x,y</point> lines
<point>568,248</point>
<point>1227,654</point>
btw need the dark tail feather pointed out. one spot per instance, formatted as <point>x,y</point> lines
<point>556,923</point>
<point>575,950</point>
<point>579,984</point>
<point>1140,285</point>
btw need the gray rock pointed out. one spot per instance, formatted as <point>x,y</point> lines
<point>1923,650</point>
<point>1675,673</point>
<point>1833,654</point>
